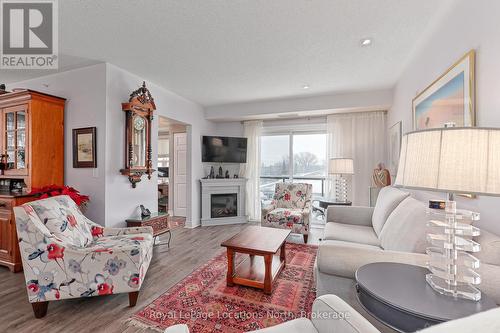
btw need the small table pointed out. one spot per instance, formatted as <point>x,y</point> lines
<point>323,204</point>
<point>258,272</point>
<point>158,221</point>
<point>398,296</point>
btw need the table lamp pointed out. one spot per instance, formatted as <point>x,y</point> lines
<point>452,160</point>
<point>341,167</point>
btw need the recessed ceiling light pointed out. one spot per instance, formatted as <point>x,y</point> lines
<point>366,42</point>
<point>305,86</point>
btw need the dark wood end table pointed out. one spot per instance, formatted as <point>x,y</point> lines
<point>263,264</point>
<point>158,221</point>
<point>398,296</point>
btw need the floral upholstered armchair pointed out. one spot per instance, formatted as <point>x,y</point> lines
<point>65,255</point>
<point>290,208</point>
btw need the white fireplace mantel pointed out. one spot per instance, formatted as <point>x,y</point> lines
<point>222,186</point>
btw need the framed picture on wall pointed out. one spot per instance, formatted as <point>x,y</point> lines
<point>84,147</point>
<point>449,100</point>
<point>394,147</point>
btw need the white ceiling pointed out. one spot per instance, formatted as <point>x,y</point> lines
<point>226,51</point>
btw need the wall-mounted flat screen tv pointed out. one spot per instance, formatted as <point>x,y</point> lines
<point>224,149</point>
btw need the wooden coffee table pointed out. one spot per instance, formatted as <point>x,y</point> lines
<point>263,264</point>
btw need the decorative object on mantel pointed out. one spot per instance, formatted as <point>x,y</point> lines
<point>341,167</point>
<point>212,173</point>
<point>455,160</point>
<point>449,99</point>
<point>381,176</point>
<point>144,211</point>
<point>84,147</point>
<point>139,116</point>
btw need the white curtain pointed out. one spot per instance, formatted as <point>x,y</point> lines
<point>251,169</point>
<point>362,137</point>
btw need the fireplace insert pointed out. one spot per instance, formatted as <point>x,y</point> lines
<point>224,205</point>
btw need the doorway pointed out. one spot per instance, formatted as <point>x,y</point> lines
<point>172,168</point>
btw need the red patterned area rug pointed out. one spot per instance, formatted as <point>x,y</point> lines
<point>204,302</point>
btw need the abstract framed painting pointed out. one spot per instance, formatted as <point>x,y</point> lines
<point>449,100</point>
<point>394,147</point>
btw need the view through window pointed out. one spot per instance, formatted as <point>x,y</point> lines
<point>296,157</point>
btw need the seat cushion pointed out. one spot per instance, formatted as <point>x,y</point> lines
<point>285,217</point>
<point>351,233</point>
<point>122,242</point>
<point>388,199</point>
<point>405,227</point>
<point>63,219</point>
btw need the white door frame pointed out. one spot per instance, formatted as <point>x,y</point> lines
<point>180,185</point>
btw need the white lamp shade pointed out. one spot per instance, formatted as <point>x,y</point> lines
<point>344,166</point>
<point>457,160</point>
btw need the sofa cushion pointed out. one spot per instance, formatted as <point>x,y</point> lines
<point>351,233</point>
<point>388,199</point>
<point>344,258</point>
<point>63,219</point>
<point>405,228</point>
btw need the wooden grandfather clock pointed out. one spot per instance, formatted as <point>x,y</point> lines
<point>139,117</point>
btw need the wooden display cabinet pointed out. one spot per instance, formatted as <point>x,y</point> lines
<point>32,135</point>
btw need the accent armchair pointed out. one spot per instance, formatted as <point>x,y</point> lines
<point>65,255</point>
<point>290,208</point>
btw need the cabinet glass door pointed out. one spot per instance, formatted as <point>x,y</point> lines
<point>14,129</point>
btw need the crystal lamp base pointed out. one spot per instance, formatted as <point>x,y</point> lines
<point>461,290</point>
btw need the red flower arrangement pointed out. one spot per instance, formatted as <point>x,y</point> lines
<point>55,190</point>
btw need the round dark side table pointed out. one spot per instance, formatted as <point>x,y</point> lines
<point>398,296</point>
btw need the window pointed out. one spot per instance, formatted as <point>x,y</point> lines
<point>294,156</point>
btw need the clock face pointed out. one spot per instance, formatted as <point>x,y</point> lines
<point>139,123</point>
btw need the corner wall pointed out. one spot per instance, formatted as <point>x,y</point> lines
<point>121,200</point>
<point>468,25</point>
<point>85,93</point>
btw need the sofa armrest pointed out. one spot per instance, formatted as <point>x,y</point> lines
<point>267,209</point>
<point>180,328</point>
<point>357,215</point>
<point>331,314</point>
<point>344,258</point>
<point>99,231</point>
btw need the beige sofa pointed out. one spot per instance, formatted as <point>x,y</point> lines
<point>392,231</point>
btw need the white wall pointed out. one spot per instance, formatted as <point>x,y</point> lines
<point>94,95</point>
<point>85,93</point>
<point>358,101</point>
<point>121,199</point>
<point>468,25</point>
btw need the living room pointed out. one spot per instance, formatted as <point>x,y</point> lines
<point>335,168</point>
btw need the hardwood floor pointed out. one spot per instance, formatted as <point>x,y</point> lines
<point>189,249</point>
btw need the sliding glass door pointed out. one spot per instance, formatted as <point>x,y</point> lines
<point>294,156</point>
